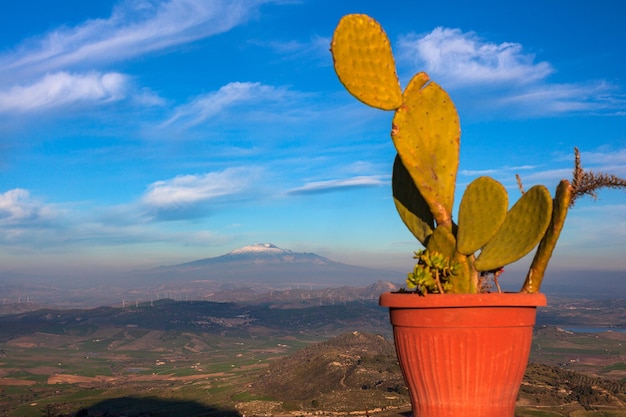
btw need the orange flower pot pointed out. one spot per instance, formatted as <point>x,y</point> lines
<point>463,354</point>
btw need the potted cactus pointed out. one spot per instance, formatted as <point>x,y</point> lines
<point>462,344</point>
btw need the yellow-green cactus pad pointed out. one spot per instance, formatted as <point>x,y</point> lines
<point>443,241</point>
<point>461,282</point>
<point>364,62</point>
<point>523,228</point>
<point>426,133</point>
<point>482,211</point>
<point>560,206</point>
<point>410,204</point>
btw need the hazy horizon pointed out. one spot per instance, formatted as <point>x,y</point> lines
<point>141,134</point>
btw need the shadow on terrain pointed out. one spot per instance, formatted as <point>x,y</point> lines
<point>157,407</point>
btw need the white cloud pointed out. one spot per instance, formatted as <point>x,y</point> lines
<point>605,158</point>
<point>134,28</point>
<point>502,170</point>
<point>209,105</point>
<point>27,224</point>
<point>334,185</point>
<point>464,59</point>
<point>607,162</point>
<point>562,98</point>
<point>316,47</point>
<point>17,209</point>
<point>549,177</point>
<point>62,88</point>
<point>58,67</point>
<point>185,190</point>
<point>501,78</point>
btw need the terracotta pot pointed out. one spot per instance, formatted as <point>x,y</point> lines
<point>463,354</point>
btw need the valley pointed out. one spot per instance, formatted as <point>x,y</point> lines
<point>201,358</point>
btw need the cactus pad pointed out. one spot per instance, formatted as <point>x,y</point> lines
<point>442,241</point>
<point>364,62</point>
<point>481,213</point>
<point>523,228</point>
<point>410,204</point>
<point>426,133</point>
<point>560,205</point>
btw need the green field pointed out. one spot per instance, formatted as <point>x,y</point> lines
<point>60,369</point>
<point>202,371</point>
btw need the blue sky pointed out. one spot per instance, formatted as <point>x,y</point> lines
<point>144,133</point>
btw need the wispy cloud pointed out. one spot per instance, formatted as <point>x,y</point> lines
<point>502,76</point>
<point>27,224</point>
<point>549,177</point>
<point>605,158</point>
<point>560,167</point>
<point>62,88</point>
<point>465,59</point>
<point>319,187</point>
<point>502,170</point>
<point>189,196</point>
<point>564,98</point>
<point>206,106</point>
<point>18,209</point>
<point>134,28</point>
<point>316,47</point>
<point>608,161</point>
<point>60,67</point>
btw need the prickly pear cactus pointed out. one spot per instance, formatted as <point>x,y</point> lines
<point>444,242</point>
<point>523,228</point>
<point>481,213</point>
<point>426,134</point>
<point>410,204</point>
<point>561,204</point>
<point>364,62</point>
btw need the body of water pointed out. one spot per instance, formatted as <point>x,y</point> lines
<point>592,329</point>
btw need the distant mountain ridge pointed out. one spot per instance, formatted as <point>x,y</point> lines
<point>262,253</point>
<point>268,264</point>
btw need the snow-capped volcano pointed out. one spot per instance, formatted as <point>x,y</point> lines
<point>270,264</point>
<point>269,253</point>
<point>260,248</point>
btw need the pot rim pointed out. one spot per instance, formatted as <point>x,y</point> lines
<point>413,300</point>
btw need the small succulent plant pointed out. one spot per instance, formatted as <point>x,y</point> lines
<point>426,134</point>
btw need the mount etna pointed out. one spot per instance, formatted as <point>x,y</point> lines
<point>249,270</point>
<point>247,273</point>
<point>265,263</point>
